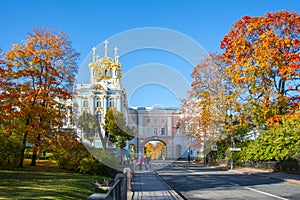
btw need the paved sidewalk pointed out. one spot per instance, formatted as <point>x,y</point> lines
<point>147,185</point>
<point>290,178</point>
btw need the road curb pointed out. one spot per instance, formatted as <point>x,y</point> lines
<point>292,181</point>
<point>173,192</point>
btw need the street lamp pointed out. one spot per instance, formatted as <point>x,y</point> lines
<point>231,143</point>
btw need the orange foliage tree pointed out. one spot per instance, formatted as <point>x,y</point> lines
<point>204,112</point>
<point>155,150</point>
<point>39,74</point>
<point>263,63</point>
<point>263,68</point>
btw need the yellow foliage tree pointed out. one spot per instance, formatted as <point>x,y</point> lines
<point>262,55</point>
<point>39,74</point>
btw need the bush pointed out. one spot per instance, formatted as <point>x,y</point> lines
<point>68,154</point>
<point>89,165</point>
<point>71,154</point>
<point>10,148</point>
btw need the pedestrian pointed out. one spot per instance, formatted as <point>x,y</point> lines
<point>147,163</point>
<point>140,162</point>
<point>134,163</point>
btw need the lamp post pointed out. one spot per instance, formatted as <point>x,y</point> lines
<point>231,134</point>
<point>189,151</point>
<point>231,143</point>
<point>190,135</point>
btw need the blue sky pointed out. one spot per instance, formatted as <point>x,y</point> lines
<point>88,23</point>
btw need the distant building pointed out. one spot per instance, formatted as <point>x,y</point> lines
<point>157,124</point>
<point>105,91</point>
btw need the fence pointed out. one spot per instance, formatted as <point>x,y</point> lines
<point>289,166</point>
<point>265,165</point>
<point>117,192</point>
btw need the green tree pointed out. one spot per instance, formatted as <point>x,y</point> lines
<point>280,142</point>
<point>117,129</point>
<point>88,125</point>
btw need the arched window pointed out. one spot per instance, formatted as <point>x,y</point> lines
<point>98,103</point>
<point>85,104</point>
<point>111,102</point>
<point>99,116</point>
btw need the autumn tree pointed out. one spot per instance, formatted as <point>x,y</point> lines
<point>10,144</point>
<point>39,72</point>
<point>116,128</point>
<point>204,112</point>
<point>263,63</point>
<point>155,150</point>
<point>262,56</point>
<point>149,150</point>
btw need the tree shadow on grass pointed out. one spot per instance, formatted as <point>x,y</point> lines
<point>56,184</point>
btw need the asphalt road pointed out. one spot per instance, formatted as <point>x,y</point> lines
<point>198,182</point>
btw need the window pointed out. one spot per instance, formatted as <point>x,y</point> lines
<point>111,103</point>
<point>148,131</point>
<point>98,115</point>
<point>147,120</point>
<point>162,131</point>
<point>155,131</point>
<point>98,104</point>
<point>162,121</point>
<point>85,104</point>
<point>155,121</point>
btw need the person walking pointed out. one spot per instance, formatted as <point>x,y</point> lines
<point>147,163</point>
<point>140,162</point>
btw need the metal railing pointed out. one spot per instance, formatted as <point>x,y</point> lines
<point>117,192</point>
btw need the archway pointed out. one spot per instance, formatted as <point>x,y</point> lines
<point>155,149</point>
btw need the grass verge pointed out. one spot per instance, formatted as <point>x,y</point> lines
<point>44,181</point>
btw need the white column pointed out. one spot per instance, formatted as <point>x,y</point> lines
<point>169,126</point>
<point>118,102</point>
<point>91,104</point>
<point>140,126</point>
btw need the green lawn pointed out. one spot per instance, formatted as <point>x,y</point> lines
<point>44,183</point>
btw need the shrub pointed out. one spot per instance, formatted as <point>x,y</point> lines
<point>10,148</point>
<point>89,165</point>
<point>69,153</point>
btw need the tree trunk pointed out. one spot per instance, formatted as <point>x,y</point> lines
<point>33,158</point>
<point>23,150</point>
<point>35,151</point>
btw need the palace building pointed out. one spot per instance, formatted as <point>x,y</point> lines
<point>105,91</point>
